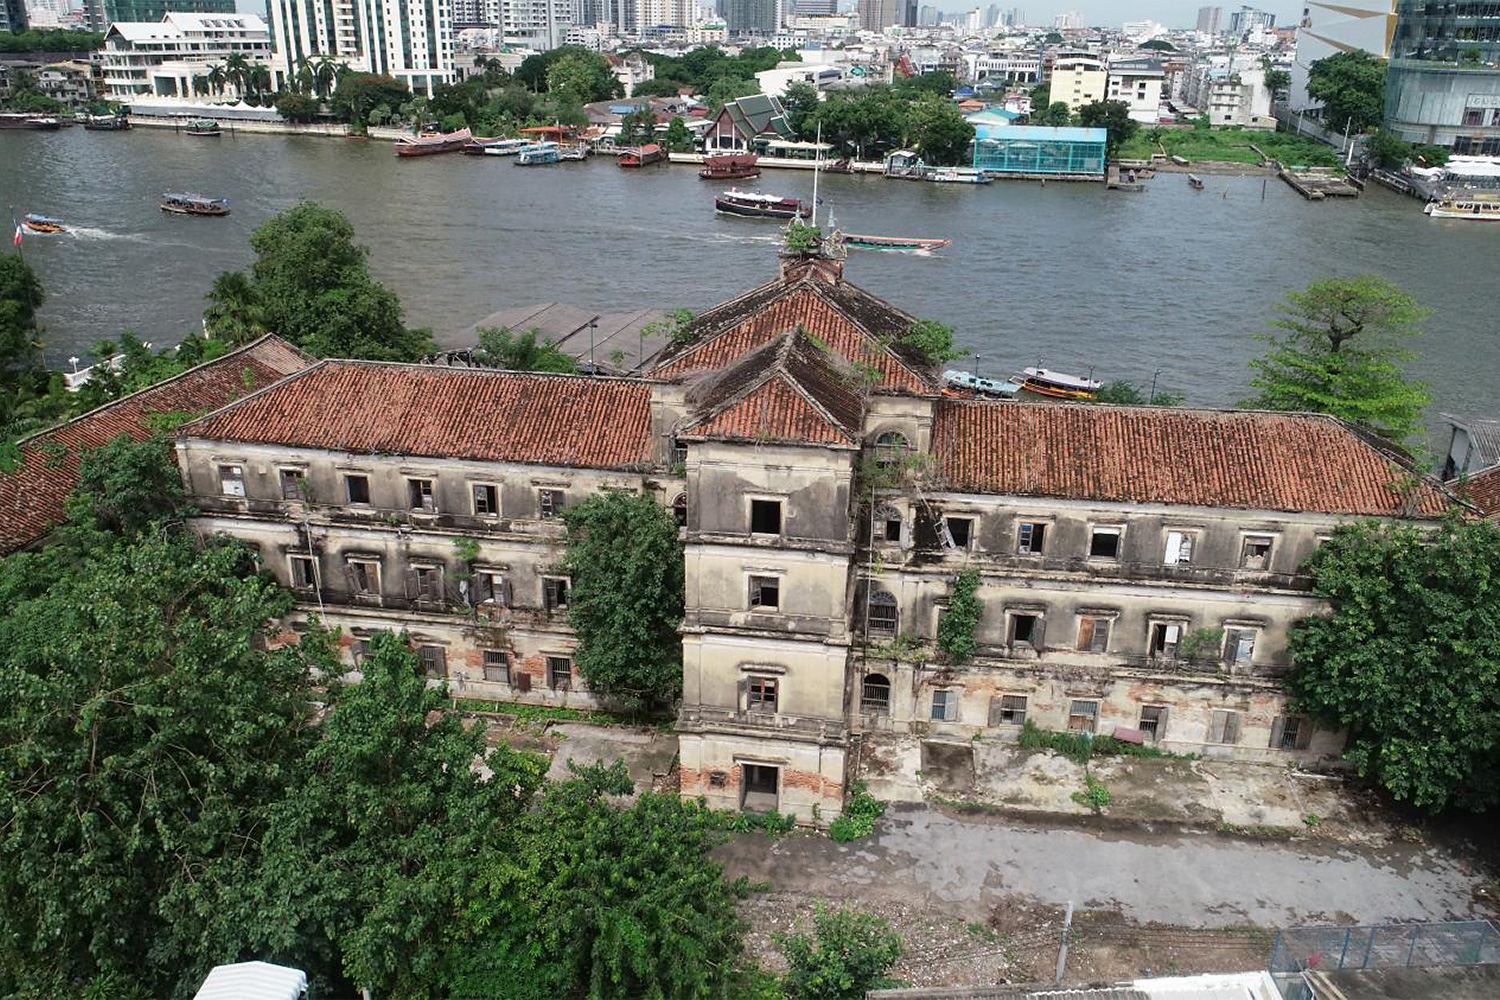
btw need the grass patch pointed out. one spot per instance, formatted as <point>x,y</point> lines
<point>858,819</point>
<point>1094,795</point>
<point>967,807</point>
<point>772,824</point>
<point>539,713</point>
<point>1079,747</point>
<point>1229,145</point>
<point>1256,831</point>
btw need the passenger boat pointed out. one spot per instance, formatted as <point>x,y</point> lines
<point>573,152</point>
<point>204,126</point>
<point>106,123</point>
<point>957,383</point>
<point>1195,182</point>
<point>754,205</point>
<point>1473,207</point>
<point>893,243</point>
<point>428,145</point>
<point>643,156</point>
<point>20,120</point>
<point>537,154</point>
<point>730,166</point>
<point>478,144</point>
<point>1044,382</point>
<point>194,204</point>
<point>959,175</point>
<point>43,225</point>
<point>502,147</point>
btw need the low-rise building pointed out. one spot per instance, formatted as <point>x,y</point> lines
<point>1076,79</point>
<point>163,59</point>
<point>1040,151</point>
<point>75,83</point>
<point>1138,83</point>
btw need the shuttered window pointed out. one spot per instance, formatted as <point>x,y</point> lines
<point>1224,727</point>
<point>1093,634</point>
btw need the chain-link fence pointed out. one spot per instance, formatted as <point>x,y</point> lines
<point>1386,946</point>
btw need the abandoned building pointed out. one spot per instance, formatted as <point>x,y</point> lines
<point>1137,567</point>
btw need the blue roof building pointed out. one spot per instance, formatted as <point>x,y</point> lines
<point>1040,151</point>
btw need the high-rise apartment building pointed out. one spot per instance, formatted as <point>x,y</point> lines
<point>749,16</point>
<point>13,15</point>
<point>877,15</point>
<point>411,40</point>
<point>1248,19</point>
<point>477,14</point>
<point>1210,20</point>
<point>1071,21</point>
<point>103,13</point>
<point>1442,86</point>
<point>537,24</point>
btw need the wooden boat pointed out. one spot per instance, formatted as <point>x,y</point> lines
<point>966,385</point>
<point>912,244</point>
<point>574,152</point>
<point>194,204</point>
<point>1195,182</point>
<point>959,175</point>
<point>478,144</point>
<point>1061,385</point>
<point>537,154</point>
<point>643,156</point>
<point>1471,207</point>
<point>43,225</point>
<point>503,147</point>
<point>106,123</point>
<point>22,120</point>
<point>204,127</point>
<point>730,166</point>
<point>754,205</point>
<point>429,145</point>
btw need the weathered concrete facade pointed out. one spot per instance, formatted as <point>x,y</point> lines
<point>1139,569</point>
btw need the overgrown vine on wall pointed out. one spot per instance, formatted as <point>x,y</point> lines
<point>960,619</point>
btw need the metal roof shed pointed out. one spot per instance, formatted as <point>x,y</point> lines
<point>253,981</point>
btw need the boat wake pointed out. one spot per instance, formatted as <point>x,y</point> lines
<point>84,232</point>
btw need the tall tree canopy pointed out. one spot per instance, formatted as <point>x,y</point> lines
<point>1341,354</point>
<point>1409,658</point>
<point>1351,87</point>
<point>1114,117</point>
<point>21,295</point>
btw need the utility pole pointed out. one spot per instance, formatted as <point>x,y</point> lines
<point>1154,376</point>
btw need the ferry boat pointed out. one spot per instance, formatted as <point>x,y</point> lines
<point>959,175</point>
<point>194,204</point>
<point>428,145</point>
<point>643,156</point>
<point>1473,207</point>
<point>502,147</point>
<point>754,205</point>
<point>106,123</point>
<point>204,126</point>
<point>537,154</point>
<point>478,144</point>
<point>913,244</point>
<point>1061,385</point>
<point>21,120</point>
<point>43,225</point>
<point>963,384</point>
<point>730,166</point>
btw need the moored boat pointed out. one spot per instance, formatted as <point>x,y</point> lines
<point>730,166</point>
<point>894,243</point>
<point>966,384</point>
<point>106,123</point>
<point>1195,182</point>
<point>959,175</point>
<point>194,204</point>
<point>643,156</point>
<point>477,144</point>
<point>204,127</point>
<point>22,120</point>
<point>537,154</point>
<point>428,145</point>
<point>754,205</point>
<point>502,147</point>
<point>575,152</point>
<point>1061,385</point>
<point>1472,207</point>
<point>43,225</point>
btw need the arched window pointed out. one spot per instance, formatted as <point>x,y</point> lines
<point>884,616</point>
<point>876,695</point>
<point>679,509</point>
<point>890,448</point>
<point>887,527</point>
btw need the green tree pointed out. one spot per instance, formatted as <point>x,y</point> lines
<point>385,831</point>
<point>21,296</point>
<point>1278,80</point>
<point>1341,354</point>
<point>849,954</point>
<point>679,139</point>
<point>126,485</point>
<point>235,314</point>
<point>296,107</point>
<point>1123,393</point>
<point>657,88</point>
<point>580,75</point>
<point>52,40</point>
<point>939,131</point>
<point>933,340</point>
<point>520,352</point>
<point>800,99</point>
<point>315,290</point>
<point>594,900</point>
<point>1387,149</point>
<point>1351,87</point>
<point>627,597</point>
<point>358,93</point>
<point>955,638</point>
<point>1408,660</point>
<point>1056,114</point>
<point>146,728</point>
<point>1114,116</point>
<point>1159,45</point>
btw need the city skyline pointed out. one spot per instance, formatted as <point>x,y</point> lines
<point>1112,13</point>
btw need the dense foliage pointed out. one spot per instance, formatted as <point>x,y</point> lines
<point>310,284</point>
<point>1351,88</point>
<point>875,119</point>
<point>849,954</point>
<point>1341,354</point>
<point>21,295</point>
<point>1391,151</point>
<point>1114,117</point>
<point>1409,658</point>
<point>960,619</point>
<point>53,40</point>
<point>626,603</point>
<point>358,94</point>
<point>706,68</point>
<point>500,347</point>
<point>932,340</point>
<point>1123,393</point>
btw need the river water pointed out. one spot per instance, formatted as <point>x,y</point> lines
<point>1120,284</point>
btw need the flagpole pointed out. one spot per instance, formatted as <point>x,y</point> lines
<point>817,169</point>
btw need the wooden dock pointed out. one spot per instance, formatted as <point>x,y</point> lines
<point>1318,183</point>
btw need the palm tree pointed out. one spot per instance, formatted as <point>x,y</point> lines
<point>235,315</point>
<point>200,86</point>
<point>237,72</point>
<point>326,73</point>
<point>260,81</point>
<point>216,78</point>
<point>302,79</point>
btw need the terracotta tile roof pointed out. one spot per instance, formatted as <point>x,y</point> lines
<point>789,390</point>
<point>1483,491</point>
<point>854,323</point>
<point>31,497</point>
<point>425,410</point>
<point>1246,460</point>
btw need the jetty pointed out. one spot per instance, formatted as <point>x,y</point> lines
<point>1318,183</point>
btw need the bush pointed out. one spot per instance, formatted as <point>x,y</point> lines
<point>849,955</point>
<point>1095,795</point>
<point>858,819</point>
